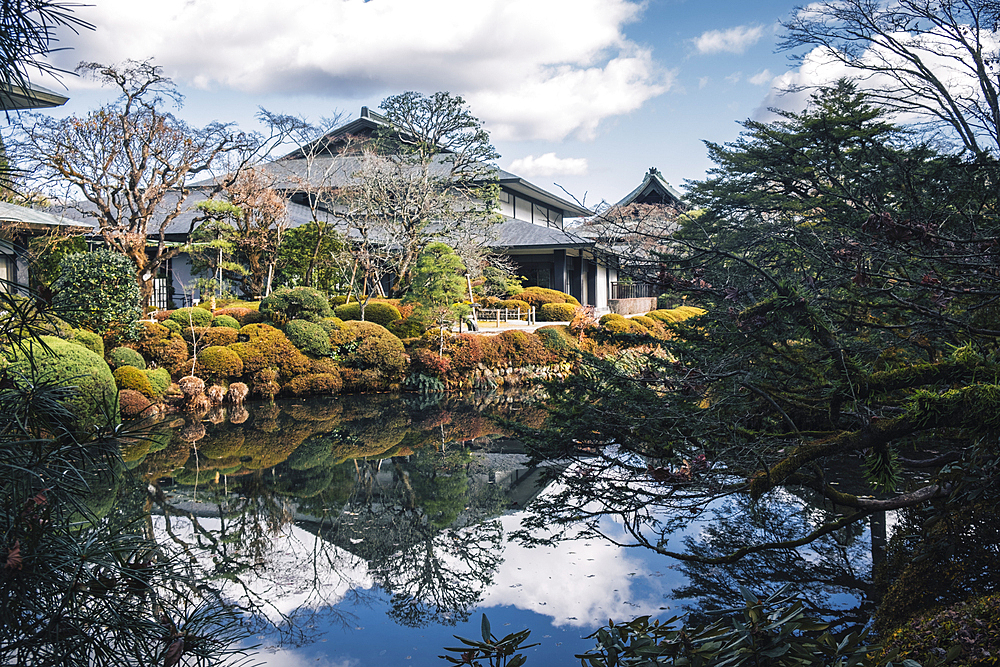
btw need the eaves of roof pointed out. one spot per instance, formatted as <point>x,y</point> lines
<point>14,98</point>
<point>518,184</point>
<point>35,220</point>
<point>521,235</point>
<point>653,177</point>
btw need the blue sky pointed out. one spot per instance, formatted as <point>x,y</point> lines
<point>585,93</point>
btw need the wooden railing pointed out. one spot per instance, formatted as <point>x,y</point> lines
<point>488,316</point>
<point>622,290</point>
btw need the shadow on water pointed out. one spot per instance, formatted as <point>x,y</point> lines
<point>337,512</point>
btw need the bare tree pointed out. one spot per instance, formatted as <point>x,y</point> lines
<point>132,160</point>
<point>938,59</point>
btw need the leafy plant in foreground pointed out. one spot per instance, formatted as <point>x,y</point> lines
<point>501,652</point>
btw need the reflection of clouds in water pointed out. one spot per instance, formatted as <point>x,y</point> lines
<point>283,658</point>
<point>299,572</point>
<point>580,583</point>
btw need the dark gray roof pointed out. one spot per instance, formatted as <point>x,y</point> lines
<point>653,186</point>
<point>514,234</point>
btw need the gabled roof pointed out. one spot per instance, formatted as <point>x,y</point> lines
<point>517,184</point>
<point>654,190</point>
<point>15,98</point>
<point>33,219</point>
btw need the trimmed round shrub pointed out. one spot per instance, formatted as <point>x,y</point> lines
<point>654,327</point>
<point>243,314</point>
<point>678,314</point>
<point>130,377</point>
<point>609,317</point>
<point>309,338</point>
<point>539,296</point>
<point>218,362</point>
<point>89,340</point>
<point>556,312</point>
<point>159,379</point>
<point>408,327</point>
<point>314,384</point>
<point>171,326</point>
<point>67,364</point>
<point>262,346</point>
<point>370,349</point>
<point>618,324</point>
<point>132,403</point>
<point>226,321</point>
<point>126,356</point>
<point>220,336</point>
<point>98,291</point>
<point>188,317</point>
<point>376,311</point>
<point>299,303</point>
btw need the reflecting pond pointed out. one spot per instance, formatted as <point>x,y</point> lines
<point>367,530</point>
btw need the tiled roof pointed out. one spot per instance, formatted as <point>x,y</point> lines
<point>35,217</point>
<point>653,181</point>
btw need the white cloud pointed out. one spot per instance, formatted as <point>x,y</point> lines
<point>761,78</point>
<point>702,82</point>
<point>523,77</point>
<point>735,77</point>
<point>549,165</point>
<point>735,40</point>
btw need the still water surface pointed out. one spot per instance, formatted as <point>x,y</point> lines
<point>367,530</point>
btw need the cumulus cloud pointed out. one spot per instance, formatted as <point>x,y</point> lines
<point>549,165</point>
<point>761,78</point>
<point>735,40</point>
<point>524,78</point>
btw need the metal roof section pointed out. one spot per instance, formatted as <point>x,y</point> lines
<point>654,189</point>
<point>516,234</point>
<point>16,98</point>
<point>35,219</point>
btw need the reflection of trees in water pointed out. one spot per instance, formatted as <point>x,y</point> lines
<point>398,522</point>
<point>827,568</point>
<point>397,500</point>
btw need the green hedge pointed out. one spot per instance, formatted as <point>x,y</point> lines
<point>380,313</point>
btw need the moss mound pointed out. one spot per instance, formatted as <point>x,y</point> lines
<point>309,338</point>
<point>68,364</point>
<point>379,312</point>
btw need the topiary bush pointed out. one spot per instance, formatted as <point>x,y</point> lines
<point>376,356</point>
<point>262,346</point>
<point>171,326</point>
<point>678,314</point>
<point>65,364</point>
<point>556,312</point>
<point>299,303</point>
<point>98,291</point>
<point>126,356</point>
<point>408,327</point>
<point>243,314</point>
<point>157,344</point>
<point>89,340</point>
<point>314,384</point>
<point>309,338</point>
<point>217,362</point>
<point>130,377</point>
<point>188,317</point>
<point>226,321</point>
<point>376,311</point>
<point>159,379</point>
<point>132,403</point>
<point>539,296</point>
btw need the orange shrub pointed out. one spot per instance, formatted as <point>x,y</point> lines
<point>465,351</point>
<point>312,384</point>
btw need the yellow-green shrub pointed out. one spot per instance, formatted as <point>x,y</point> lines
<point>218,362</point>
<point>130,377</point>
<point>539,296</point>
<point>369,349</point>
<point>188,317</point>
<point>226,321</point>
<point>314,384</point>
<point>310,338</point>
<point>379,312</point>
<point>89,340</point>
<point>514,348</point>
<point>556,312</point>
<point>69,365</point>
<point>558,339</point>
<point>262,346</point>
<point>678,314</point>
<point>126,356</point>
<point>159,379</point>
